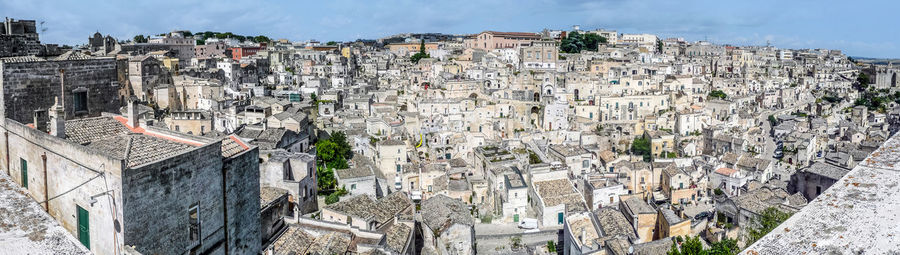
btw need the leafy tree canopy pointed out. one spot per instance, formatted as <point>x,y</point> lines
<point>575,42</point>
<point>768,220</point>
<point>140,39</point>
<point>641,146</point>
<point>693,246</point>
<point>718,94</point>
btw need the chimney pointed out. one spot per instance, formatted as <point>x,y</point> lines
<point>133,114</point>
<point>57,119</point>
<point>581,238</point>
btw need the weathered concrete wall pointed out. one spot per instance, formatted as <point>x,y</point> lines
<point>158,196</point>
<point>73,175</point>
<point>29,86</point>
<point>242,206</point>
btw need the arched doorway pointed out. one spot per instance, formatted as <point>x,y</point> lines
<point>576,94</point>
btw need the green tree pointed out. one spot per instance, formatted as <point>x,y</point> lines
<point>331,43</point>
<point>325,178</point>
<point>576,42</point>
<point>344,148</point>
<point>551,246</point>
<point>718,94</point>
<point>641,146</point>
<point>327,151</point>
<point>140,39</point>
<point>331,154</point>
<point>533,158</point>
<point>421,54</point>
<point>693,246</point>
<point>313,97</point>
<point>768,220</point>
<point>690,246</point>
<point>862,81</point>
<point>261,38</point>
<point>727,246</point>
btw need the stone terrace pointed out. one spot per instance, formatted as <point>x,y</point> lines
<point>857,215</point>
<point>26,229</point>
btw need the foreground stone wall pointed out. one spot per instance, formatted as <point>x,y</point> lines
<point>69,175</point>
<point>242,202</point>
<point>158,197</point>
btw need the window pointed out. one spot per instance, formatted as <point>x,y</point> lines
<point>585,164</point>
<point>194,221</point>
<point>353,186</point>
<point>80,101</point>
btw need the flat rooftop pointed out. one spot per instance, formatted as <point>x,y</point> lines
<point>26,229</point>
<point>857,215</point>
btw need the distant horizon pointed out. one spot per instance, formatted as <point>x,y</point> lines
<point>826,24</point>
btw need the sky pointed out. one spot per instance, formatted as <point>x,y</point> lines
<point>859,28</point>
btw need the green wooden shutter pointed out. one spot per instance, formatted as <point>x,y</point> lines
<point>516,217</point>
<point>24,172</point>
<point>84,228</point>
<point>560,218</point>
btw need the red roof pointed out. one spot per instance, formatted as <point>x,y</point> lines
<point>726,171</point>
<point>513,34</point>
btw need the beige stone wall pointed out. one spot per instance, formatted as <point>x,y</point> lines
<point>70,169</point>
<point>646,225</point>
<point>196,127</point>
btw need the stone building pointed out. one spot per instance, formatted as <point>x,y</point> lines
<point>448,226</point>
<point>137,186</point>
<point>19,38</point>
<point>813,180</point>
<point>669,224</point>
<point>102,45</point>
<point>190,122</point>
<point>85,86</point>
<point>294,172</point>
<point>541,54</point>
<point>641,216</point>
<point>145,74</point>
